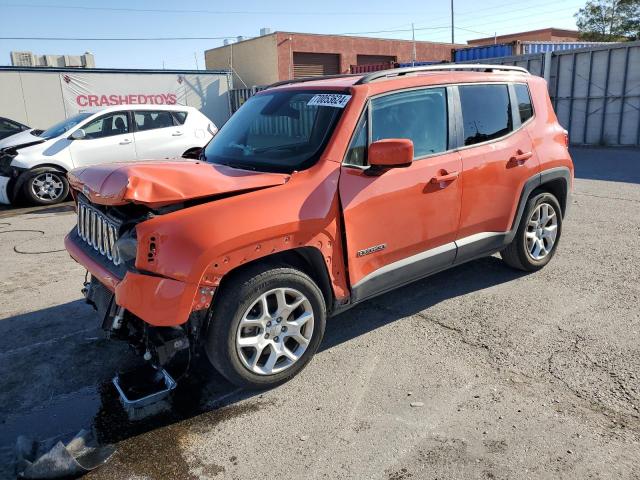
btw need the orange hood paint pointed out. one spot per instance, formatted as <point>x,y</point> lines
<point>160,183</point>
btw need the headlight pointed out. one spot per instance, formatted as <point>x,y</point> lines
<point>127,246</point>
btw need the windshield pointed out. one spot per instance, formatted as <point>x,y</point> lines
<point>280,131</point>
<point>64,126</point>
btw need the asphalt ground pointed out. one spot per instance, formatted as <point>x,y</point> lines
<point>480,372</point>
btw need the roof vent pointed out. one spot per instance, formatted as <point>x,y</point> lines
<point>265,31</point>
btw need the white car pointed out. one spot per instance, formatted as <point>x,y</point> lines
<point>36,166</point>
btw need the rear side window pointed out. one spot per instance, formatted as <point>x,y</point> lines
<point>180,117</point>
<point>486,112</point>
<point>419,115</point>
<point>524,102</point>
<point>149,120</point>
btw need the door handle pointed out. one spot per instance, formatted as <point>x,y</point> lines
<point>176,133</point>
<point>126,141</point>
<point>520,157</point>
<point>443,177</point>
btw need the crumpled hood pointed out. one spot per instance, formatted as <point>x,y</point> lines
<point>160,183</point>
<point>20,139</point>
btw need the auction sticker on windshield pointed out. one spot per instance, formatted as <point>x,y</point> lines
<point>329,100</point>
<point>4,196</point>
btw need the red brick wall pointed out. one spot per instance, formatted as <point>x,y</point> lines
<point>350,47</point>
<point>544,35</point>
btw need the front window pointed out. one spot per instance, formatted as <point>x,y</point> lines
<point>64,126</point>
<point>108,126</point>
<point>280,131</point>
<point>419,115</point>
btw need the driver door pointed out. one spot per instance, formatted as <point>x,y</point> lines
<point>401,225</point>
<point>108,139</point>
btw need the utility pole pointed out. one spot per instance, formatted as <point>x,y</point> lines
<point>195,57</point>
<point>453,37</point>
<point>413,38</point>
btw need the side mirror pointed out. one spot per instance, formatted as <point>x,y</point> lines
<point>389,153</point>
<point>79,134</point>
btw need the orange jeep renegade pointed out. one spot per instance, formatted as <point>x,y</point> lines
<point>316,195</point>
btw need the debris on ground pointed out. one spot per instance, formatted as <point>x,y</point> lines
<point>49,460</point>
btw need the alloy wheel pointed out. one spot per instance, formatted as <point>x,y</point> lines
<point>542,230</point>
<point>47,186</point>
<point>275,331</point>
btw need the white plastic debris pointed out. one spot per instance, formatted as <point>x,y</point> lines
<point>50,460</point>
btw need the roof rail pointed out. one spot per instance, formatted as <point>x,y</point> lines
<point>398,72</point>
<point>310,79</point>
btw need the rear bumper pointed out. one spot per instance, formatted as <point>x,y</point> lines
<point>158,301</point>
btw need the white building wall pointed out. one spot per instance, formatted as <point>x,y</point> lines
<point>34,96</point>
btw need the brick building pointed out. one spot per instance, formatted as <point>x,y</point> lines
<point>542,35</point>
<point>284,55</point>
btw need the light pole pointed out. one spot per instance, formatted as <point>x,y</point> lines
<point>453,38</point>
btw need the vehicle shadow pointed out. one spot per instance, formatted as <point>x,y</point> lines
<point>19,208</point>
<point>94,402</point>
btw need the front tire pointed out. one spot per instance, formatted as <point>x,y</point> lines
<point>45,186</point>
<point>538,234</point>
<point>266,326</point>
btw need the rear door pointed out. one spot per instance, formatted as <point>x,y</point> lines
<point>159,135</point>
<point>400,226</point>
<point>497,159</point>
<point>108,139</point>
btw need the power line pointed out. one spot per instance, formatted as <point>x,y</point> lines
<point>492,13</point>
<point>143,39</point>
<point>115,39</point>
<point>209,12</point>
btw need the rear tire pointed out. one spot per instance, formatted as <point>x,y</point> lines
<point>538,234</point>
<point>267,324</point>
<point>45,186</point>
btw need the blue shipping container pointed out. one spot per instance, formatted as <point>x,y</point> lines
<point>416,64</point>
<point>542,47</point>
<point>483,51</point>
<point>515,48</point>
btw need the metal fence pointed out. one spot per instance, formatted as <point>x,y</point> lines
<point>595,91</point>
<point>240,95</point>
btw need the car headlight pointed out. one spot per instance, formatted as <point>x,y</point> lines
<point>126,246</point>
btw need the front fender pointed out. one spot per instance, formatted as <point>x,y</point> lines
<point>202,244</point>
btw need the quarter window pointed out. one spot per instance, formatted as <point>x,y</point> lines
<point>357,154</point>
<point>524,102</point>
<point>180,117</point>
<point>152,119</point>
<point>419,115</point>
<point>486,112</point>
<point>107,126</point>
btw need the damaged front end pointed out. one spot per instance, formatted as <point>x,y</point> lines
<point>162,346</point>
<point>106,236</point>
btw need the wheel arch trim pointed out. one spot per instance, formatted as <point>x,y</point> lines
<point>562,174</point>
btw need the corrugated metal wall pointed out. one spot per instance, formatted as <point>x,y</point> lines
<point>34,96</point>
<point>595,91</point>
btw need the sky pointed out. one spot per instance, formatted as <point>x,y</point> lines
<point>213,20</point>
